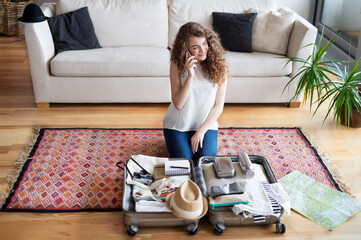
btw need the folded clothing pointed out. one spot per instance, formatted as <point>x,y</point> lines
<point>147,162</point>
<point>212,180</point>
<point>167,185</point>
<point>159,189</point>
<point>233,188</point>
<point>228,200</point>
<point>151,206</point>
<point>265,201</point>
<point>258,201</point>
<point>145,194</point>
<point>199,179</point>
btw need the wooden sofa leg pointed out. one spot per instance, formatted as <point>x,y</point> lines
<point>43,104</point>
<point>295,104</point>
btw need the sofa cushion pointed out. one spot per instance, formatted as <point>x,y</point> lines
<point>271,30</point>
<point>109,62</point>
<point>125,22</point>
<point>73,31</point>
<point>235,30</point>
<point>183,11</point>
<point>257,64</point>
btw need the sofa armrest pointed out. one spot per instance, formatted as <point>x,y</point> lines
<point>40,49</point>
<point>303,33</point>
<point>49,9</point>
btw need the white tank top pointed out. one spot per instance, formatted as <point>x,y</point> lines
<point>200,102</point>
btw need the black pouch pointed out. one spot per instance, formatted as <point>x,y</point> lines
<point>234,188</point>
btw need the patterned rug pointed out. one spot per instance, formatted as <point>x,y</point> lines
<point>75,169</point>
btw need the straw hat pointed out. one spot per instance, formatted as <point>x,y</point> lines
<point>187,202</point>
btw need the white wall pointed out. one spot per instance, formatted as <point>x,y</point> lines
<point>304,8</point>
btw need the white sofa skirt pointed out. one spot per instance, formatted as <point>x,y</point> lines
<point>104,90</point>
<point>155,90</point>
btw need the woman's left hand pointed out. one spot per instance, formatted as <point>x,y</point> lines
<point>197,141</point>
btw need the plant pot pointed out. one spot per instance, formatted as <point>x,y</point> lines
<point>355,122</point>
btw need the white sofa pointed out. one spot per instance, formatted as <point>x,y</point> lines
<point>133,64</point>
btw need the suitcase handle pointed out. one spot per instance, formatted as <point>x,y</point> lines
<point>126,167</point>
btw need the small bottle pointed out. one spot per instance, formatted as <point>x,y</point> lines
<point>224,185</point>
<point>246,165</point>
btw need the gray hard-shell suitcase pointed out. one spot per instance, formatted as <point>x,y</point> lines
<point>133,220</point>
<point>221,217</point>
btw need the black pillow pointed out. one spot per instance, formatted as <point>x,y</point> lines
<point>73,31</point>
<point>235,30</point>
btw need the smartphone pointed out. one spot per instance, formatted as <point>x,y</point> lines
<point>190,55</point>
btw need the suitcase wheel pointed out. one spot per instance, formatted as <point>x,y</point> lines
<point>280,228</point>
<point>132,230</point>
<point>193,232</point>
<point>130,234</point>
<point>192,229</point>
<point>218,232</point>
<point>219,228</point>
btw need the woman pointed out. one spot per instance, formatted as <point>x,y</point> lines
<point>198,78</point>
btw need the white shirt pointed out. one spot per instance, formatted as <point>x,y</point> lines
<point>200,102</point>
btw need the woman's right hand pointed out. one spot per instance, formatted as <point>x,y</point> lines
<point>190,64</point>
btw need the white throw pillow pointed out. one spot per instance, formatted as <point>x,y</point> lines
<point>200,11</point>
<point>124,23</point>
<point>271,30</point>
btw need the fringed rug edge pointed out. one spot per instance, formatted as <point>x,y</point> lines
<point>330,165</point>
<point>14,173</point>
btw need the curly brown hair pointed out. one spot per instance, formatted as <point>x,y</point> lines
<point>214,66</point>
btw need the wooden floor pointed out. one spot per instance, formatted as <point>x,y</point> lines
<point>18,115</point>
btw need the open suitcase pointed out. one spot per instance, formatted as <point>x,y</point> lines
<point>133,220</point>
<point>221,217</point>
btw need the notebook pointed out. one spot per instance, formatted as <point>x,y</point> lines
<point>159,172</point>
<point>177,167</point>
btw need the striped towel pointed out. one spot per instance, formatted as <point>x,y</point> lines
<point>276,207</point>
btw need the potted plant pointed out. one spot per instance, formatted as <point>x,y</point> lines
<point>345,98</point>
<point>342,92</point>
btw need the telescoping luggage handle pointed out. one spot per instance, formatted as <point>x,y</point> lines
<point>142,176</point>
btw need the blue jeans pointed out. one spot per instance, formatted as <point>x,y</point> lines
<point>179,144</point>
